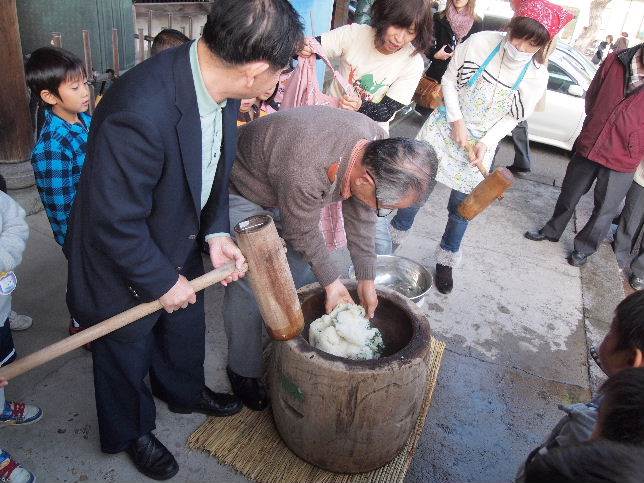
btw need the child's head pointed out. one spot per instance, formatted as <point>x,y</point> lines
<point>58,78</point>
<point>599,461</point>
<point>621,414</point>
<point>246,104</point>
<point>167,39</point>
<point>264,96</point>
<point>623,346</point>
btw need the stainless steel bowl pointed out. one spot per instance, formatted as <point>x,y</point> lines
<point>403,275</point>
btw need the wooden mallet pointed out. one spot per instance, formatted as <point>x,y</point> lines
<point>97,331</point>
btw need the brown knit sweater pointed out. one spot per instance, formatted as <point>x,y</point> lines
<point>282,162</point>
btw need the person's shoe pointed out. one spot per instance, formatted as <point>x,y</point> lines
<point>444,280</point>
<point>577,259</point>
<point>152,458</point>
<point>19,322</point>
<point>538,236</point>
<point>517,171</point>
<point>211,403</point>
<point>636,282</point>
<point>12,472</point>
<point>74,328</point>
<point>17,413</point>
<point>250,390</point>
<point>397,237</point>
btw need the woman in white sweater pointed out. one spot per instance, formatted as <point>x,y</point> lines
<point>493,81</point>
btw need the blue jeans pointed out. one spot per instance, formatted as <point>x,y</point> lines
<point>456,224</point>
<point>404,218</point>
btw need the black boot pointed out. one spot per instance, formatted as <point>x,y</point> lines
<point>444,281</point>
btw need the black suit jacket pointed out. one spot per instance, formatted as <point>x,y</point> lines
<point>137,213</point>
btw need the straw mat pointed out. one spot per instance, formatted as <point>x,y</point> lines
<point>249,442</point>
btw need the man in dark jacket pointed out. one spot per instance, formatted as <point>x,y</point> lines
<point>608,151</point>
<point>159,157</point>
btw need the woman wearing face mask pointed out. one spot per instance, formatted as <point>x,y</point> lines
<point>452,26</point>
<point>493,81</point>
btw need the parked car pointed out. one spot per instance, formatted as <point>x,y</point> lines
<point>561,121</point>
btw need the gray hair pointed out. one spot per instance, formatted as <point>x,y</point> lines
<point>401,166</point>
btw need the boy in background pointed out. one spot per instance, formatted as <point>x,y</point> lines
<point>167,39</point>
<point>58,79</point>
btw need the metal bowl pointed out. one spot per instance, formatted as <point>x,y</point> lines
<point>405,276</point>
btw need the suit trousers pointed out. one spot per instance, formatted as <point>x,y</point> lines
<point>629,232</point>
<point>171,351</point>
<point>242,320</point>
<point>610,188</point>
<point>522,159</point>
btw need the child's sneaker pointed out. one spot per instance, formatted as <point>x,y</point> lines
<point>12,472</point>
<point>19,322</point>
<point>19,413</point>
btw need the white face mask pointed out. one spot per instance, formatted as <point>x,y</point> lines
<point>515,54</point>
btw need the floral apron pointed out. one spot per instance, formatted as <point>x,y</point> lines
<point>483,105</point>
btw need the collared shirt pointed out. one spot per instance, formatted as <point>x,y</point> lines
<point>57,160</point>
<point>210,115</point>
<point>636,74</point>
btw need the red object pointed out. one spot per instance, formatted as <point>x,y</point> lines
<point>612,134</point>
<point>553,17</point>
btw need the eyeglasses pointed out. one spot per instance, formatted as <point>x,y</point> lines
<point>380,212</point>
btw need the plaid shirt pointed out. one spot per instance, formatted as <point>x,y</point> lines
<point>57,160</point>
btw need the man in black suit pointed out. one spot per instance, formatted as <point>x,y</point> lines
<point>160,152</point>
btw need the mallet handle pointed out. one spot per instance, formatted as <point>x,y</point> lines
<point>94,332</point>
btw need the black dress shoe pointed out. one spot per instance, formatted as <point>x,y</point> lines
<point>152,458</point>
<point>250,390</point>
<point>577,259</point>
<point>444,280</point>
<point>212,404</point>
<point>538,236</point>
<point>636,282</point>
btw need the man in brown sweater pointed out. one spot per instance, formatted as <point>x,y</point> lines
<point>290,165</point>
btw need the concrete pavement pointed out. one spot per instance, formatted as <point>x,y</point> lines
<point>517,326</point>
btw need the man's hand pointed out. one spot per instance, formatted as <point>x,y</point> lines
<point>3,382</point>
<point>179,296</point>
<point>222,250</point>
<point>442,54</point>
<point>336,293</point>
<point>368,296</point>
<point>350,103</point>
<point>459,133</point>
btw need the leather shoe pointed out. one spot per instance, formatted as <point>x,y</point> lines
<point>577,259</point>
<point>152,458</point>
<point>250,390</point>
<point>636,282</point>
<point>517,171</point>
<point>212,404</point>
<point>538,236</point>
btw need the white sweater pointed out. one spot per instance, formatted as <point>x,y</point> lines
<point>474,51</point>
<point>14,232</point>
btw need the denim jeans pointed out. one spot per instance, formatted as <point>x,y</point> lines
<point>404,218</point>
<point>456,224</point>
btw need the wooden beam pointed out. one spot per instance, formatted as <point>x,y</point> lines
<point>16,136</point>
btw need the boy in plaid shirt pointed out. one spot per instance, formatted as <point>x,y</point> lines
<point>58,79</point>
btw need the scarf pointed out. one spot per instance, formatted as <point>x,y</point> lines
<point>461,22</point>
